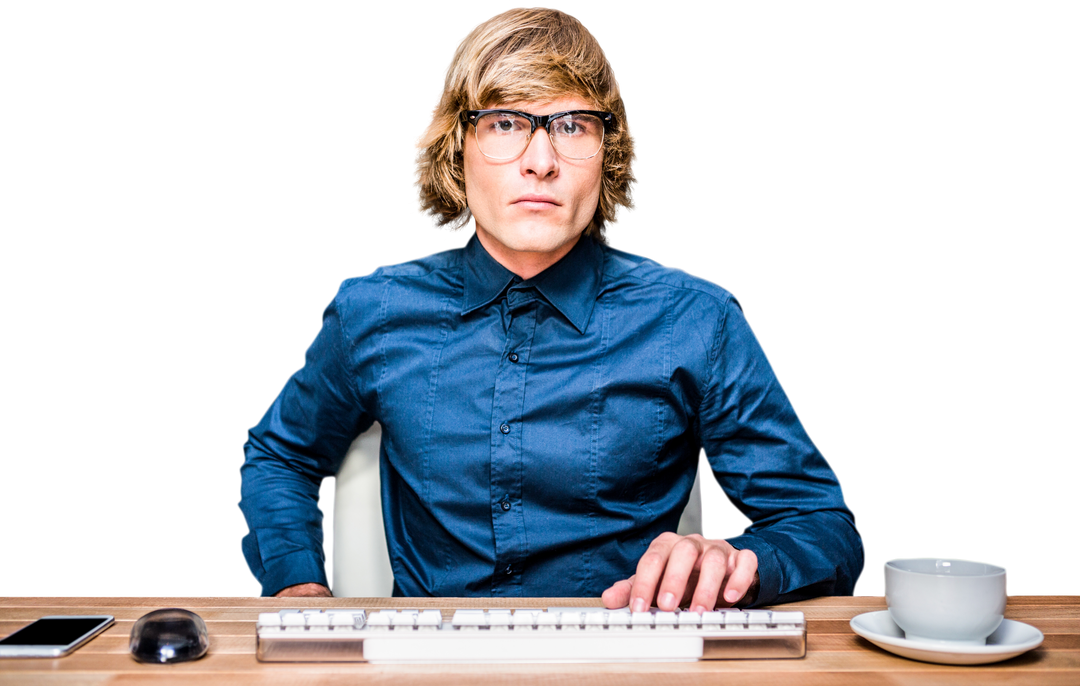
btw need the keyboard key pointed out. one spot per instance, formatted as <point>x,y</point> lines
<point>712,620</point>
<point>734,619</point>
<point>499,621</point>
<point>269,619</point>
<point>341,621</point>
<point>665,620</point>
<point>469,619</point>
<point>547,621</point>
<point>641,619</point>
<point>294,621</point>
<point>594,621</point>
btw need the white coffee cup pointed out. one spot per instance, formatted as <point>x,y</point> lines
<point>933,599</point>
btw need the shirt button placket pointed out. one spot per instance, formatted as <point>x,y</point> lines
<point>506,450</point>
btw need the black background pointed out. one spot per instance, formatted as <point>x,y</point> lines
<point>852,178</point>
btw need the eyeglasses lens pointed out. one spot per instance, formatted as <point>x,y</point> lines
<point>502,135</point>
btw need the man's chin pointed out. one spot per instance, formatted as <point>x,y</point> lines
<point>535,239</point>
<point>540,247</point>
<point>540,239</point>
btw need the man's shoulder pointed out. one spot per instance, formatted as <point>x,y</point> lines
<point>623,269</point>
<point>433,271</point>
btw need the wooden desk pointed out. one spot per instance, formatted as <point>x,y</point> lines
<point>835,655</point>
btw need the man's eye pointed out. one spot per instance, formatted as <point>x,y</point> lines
<point>571,127</point>
<point>503,125</point>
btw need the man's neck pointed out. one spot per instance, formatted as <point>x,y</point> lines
<point>525,264</point>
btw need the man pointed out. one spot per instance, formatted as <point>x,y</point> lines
<point>543,397</point>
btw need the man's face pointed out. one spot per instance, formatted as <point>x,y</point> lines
<point>537,202</point>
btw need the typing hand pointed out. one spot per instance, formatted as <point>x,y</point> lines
<point>304,591</point>
<point>687,570</point>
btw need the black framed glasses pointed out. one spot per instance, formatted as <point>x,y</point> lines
<point>504,134</point>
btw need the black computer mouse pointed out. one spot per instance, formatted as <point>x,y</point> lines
<point>172,635</point>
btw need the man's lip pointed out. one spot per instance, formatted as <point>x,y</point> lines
<point>537,198</point>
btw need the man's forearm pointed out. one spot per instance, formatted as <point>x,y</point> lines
<point>806,556</point>
<point>284,545</point>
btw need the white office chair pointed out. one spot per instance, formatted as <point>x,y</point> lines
<point>361,563</point>
<point>690,521</point>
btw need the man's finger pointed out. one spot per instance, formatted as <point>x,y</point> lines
<point>744,566</point>
<point>619,594</point>
<point>649,570</point>
<point>710,579</point>
<point>681,562</point>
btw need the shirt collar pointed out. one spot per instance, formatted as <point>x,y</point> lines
<point>570,285</point>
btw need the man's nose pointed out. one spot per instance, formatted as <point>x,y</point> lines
<point>540,157</point>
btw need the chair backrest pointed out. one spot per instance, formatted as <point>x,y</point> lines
<point>361,563</point>
<point>690,521</point>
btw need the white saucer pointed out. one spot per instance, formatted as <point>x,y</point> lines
<point>1009,640</point>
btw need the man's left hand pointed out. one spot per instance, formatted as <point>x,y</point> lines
<point>687,571</point>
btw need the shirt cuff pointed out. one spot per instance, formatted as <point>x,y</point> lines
<point>299,566</point>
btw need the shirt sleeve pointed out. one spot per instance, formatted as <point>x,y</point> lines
<point>803,534</point>
<point>302,439</point>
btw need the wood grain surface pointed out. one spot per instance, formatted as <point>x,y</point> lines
<point>835,655</point>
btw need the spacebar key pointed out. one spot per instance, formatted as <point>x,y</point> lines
<point>536,647</point>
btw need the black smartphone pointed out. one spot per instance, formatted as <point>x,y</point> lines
<point>54,636</point>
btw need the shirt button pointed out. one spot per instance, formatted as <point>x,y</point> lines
<point>514,357</point>
<point>505,428</point>
<point>505,505</point>
<point>509,570</point>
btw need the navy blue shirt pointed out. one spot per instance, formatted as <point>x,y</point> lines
<point>537,435</point>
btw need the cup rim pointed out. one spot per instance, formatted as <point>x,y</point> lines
<point>903,565</point>
<point>990,562</point>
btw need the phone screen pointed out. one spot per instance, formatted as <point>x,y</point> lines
<point>54,631</point>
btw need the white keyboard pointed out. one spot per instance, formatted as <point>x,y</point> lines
<point>557,634</point>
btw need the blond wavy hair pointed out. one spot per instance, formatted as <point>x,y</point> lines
<point>533,55</point>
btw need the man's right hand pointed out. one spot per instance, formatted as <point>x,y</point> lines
<point>304,591</point>
<point>689,571</point>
